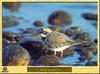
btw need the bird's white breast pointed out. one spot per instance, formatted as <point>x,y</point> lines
<point>59,49</point>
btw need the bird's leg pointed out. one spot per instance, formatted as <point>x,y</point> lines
<point>61,55</point>
<point>46,51</point>
<point>54,53</point>
<point>13,40</point>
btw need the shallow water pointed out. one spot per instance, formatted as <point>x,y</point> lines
<point>41,11</point>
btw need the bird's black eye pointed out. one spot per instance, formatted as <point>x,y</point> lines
<point>41,30</point>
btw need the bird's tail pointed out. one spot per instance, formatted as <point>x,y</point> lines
<point>79,43</point>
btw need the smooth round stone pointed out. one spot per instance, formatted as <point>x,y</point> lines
<point>9,22</point>
<point>92,47</point>
<point>15,6</point>
<point>35,48</point>
<point>84,36</point>
<point>38,23</point>
<point>60,18</point>
<point>29,30</point>
<point>48,60</point>
<point>89,46</point>
<point>82,59</point>
<point>91,63</point>
<point>72,31</point>
<point>89,16</point>
<point>87,50</point>
<point>95,40</point>
<point>11,37</point>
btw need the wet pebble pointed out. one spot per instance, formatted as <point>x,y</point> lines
<point>89,55</point>
<point>48,60</point>
<point>89,16</point>
<point>60,18</point>
<point>82,59</point>
<point>91,63</point>
<point>35,48</point>
<point>89,46</point>
<point>87,50</point>
<point>72,31</point>
<point>9,22</point>
<point>15,6</point>
<point>20,29</point>
<point>11,37</point>
<point>84,36</point>
<point>38,23</point>
<point>96,41</point>
<point>86,54</point>
<point>29,30</point>
<point>93,48</point>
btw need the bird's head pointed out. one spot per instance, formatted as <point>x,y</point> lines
<point>45,31</point>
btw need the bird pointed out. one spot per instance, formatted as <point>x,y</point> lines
<point>57,41</point>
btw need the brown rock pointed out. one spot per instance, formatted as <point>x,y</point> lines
<point>60,18</point>
<point>13,6</point>
<point>11,37</point>
<point>72,31</point>
<point>91,63</point>
<point>84,36</point>
<point>48,60</point>
<point>35,48</point>
<point>38,23</point>
<point>9,22</point>
<point>90,16</point>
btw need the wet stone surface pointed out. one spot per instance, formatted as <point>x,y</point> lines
<point>60,18</point>
<point>91,63</point>
<point>9,22</point>
<point>26,31</point>
<point>11,37</point>
<point>38,23</point>
<point>87,50</point>
<point>89,16</point>
<point>84,36</point>
<point>48,60</point>
<point>35,48</point>
<point>72,31</point>
<point>12,6</point>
